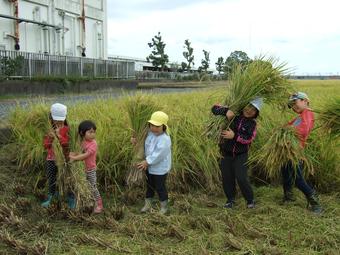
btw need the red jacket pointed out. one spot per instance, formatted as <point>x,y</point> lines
<point>303,125</point>
<point>63,139</point>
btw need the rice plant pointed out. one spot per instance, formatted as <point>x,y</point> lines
<point>195,157</point>
<point>329,116</point>
<point>266,78</point>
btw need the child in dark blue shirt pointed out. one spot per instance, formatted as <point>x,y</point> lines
<point>234,147</point>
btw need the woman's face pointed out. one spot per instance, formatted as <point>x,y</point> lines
<point>157,130</point>
<point>249,111</point>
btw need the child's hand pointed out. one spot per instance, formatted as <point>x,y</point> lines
<point>51,133</point>
<point>133,140</point>
<point>230,114</point>
<point>228,134</point>
<point>73,154</point>
<point>142,165</point>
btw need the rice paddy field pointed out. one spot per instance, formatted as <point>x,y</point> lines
<point>197,222</point>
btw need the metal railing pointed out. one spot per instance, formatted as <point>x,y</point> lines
<point>29,65</point>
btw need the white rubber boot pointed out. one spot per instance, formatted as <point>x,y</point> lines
<point>147,205</point>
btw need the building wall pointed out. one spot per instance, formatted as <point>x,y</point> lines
<point>57,41</point>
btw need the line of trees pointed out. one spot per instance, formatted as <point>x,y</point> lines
<point>160,60</point>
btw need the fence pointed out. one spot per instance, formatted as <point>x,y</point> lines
<point>24,64</point>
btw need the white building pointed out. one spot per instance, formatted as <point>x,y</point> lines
<point>140,64</point>
<point>56,27</point>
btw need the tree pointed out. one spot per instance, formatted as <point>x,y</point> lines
<point>158,57</point>
<point>235,58</point>
<point>205,62</point>
<point>219,64</point>
<point>10,66</point>
<point>188,55</point>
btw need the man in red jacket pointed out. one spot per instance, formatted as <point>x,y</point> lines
<point>303,124</point>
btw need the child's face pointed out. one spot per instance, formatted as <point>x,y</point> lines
<point>299,105</point>
<point>90,134</point>
<point>58,123</point>
<point>249,111</point>
<point>157,130</point>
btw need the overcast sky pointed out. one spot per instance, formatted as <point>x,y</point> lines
<point>303,33</point>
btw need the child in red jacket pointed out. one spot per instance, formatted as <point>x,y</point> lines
<point>60,130</point>
<point>303,125</point>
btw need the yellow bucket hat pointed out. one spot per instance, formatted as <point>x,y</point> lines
<point>159,118</point>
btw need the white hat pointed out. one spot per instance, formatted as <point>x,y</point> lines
<point>257,103</point>
<point>58,112</point>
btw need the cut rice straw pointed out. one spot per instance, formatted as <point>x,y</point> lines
<point>71,177</point>
<point>139,108</point>
<point>281,148</point>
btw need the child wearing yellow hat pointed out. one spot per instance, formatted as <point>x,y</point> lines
<point>157,161</point>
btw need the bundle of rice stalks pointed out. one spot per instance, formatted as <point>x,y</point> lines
<point>43,228</point>
<point>329,116</point>
<point>139,108</point>
<point>9,218</point>
<point>281,148</point>
<point>175,231</point>
<point>20,247</point>
<point>86,239</point>
<point>71,177</point>
<point>264,78</point>
<point>104,223</point>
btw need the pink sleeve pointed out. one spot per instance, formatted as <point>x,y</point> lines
<point>305,126</point>
<point>91,148</point>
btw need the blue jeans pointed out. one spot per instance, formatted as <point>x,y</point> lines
<point>290,176</point>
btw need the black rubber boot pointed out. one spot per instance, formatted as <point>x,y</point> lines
<point>288,196</point>
<point>313,203</point>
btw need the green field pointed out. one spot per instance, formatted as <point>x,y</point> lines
<point>197,223</point>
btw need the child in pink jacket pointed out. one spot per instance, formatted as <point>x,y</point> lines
<point>87,132</point>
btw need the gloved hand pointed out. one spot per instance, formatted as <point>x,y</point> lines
<point>218,109</point>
